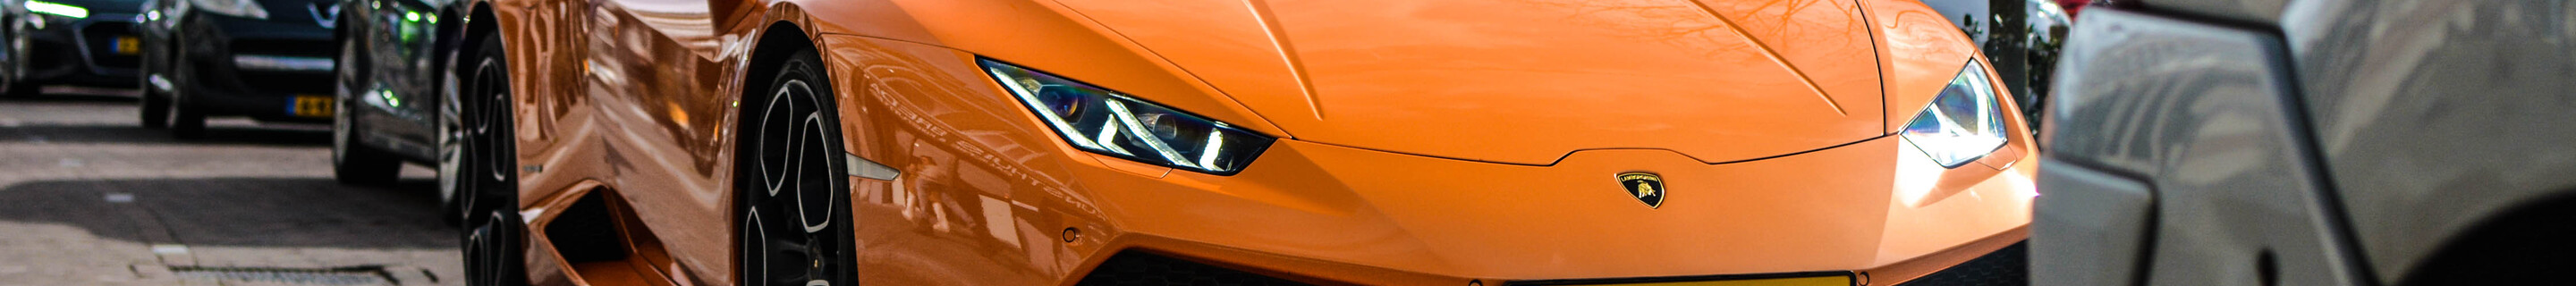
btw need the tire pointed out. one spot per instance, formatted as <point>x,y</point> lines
<point>11,85</point>
<point>492,251</point>
<point>186,122</point>
<point>793,225</point>
<point>484,173</point>
<point>20,88</point>
<point>155,108</point>
<point>352,162</point>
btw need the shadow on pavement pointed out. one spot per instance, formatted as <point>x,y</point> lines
<point>130,134</point>
<point>259,212</point>
<point>58,97</point>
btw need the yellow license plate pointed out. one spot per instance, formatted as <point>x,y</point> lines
<point>1797,281</point>
<point>311,106</point>
<point>127,45</point>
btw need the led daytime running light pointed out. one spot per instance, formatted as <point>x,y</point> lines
<point>1101,121</point>
<point>57,9</point>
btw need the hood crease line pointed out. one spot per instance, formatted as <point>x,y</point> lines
<point>1774,55</point>
<point>1287,53</point>
<point>1167,61</point>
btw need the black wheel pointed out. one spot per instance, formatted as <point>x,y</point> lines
<point>12,48</point>
<point>794,226</point>
<point>10,84</point>
<point>155,108</point>
<point>492,251</point>
<point>352,162</point>
<point>18,88</point>
<point>186,122</point>
<point>478,167</point>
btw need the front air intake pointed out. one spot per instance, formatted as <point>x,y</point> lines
<point>2004,267</point>
<point>1147,269</point>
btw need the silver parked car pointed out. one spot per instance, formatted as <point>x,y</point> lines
<point>2310,142</point>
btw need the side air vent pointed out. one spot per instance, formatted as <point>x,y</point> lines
<point>1146,269</point>
<point>585,233</point>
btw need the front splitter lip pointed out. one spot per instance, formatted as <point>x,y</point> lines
<point>1322,272</point>
<point>1849,277</point>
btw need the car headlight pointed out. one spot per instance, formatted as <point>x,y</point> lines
<point>1110,123</point>
<point>57,9</point>
<point>1963,124</point>
<point>237,8</point>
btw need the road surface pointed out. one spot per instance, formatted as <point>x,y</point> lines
<point>90,197</point>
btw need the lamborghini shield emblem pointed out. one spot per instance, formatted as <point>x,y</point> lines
<point>1647,187</point>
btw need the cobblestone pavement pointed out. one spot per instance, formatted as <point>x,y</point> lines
<point>89,197</point>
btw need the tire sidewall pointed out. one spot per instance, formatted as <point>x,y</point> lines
<point>493,245</point>
<point>805,66</point>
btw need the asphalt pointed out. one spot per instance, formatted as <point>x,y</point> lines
<point>90,197</point>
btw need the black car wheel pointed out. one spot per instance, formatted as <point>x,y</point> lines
<point>10,86</point>
<point>155,108</point>
<point>479,167</point>
<point>186,122</point>
<point>794,225</point>
<point>352,162</point>
<point>492,251</point>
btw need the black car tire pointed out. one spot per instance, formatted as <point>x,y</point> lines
<point>486,179</point>
<point>186,122</point>
<point>788,175</point>
<point>20,88</point>
<point>492,251</point>
<point>353,163</point>
<point>155,108</point>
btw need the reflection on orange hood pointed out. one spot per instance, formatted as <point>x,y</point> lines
<point>1529,81</point>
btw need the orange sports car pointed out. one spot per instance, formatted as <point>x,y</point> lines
<point>1232,142</point>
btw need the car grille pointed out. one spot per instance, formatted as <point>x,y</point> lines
<point>2007,266</point>
<point>1140,269</point>
<point>101,38</point>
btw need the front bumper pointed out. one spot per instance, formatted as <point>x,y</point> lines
<point>259,68</point>
<point>101,50</point>
<point>1454,221</point>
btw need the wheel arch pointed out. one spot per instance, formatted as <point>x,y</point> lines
<point>478,21</point>
<point>777,40</point>
<point>2522,242</point>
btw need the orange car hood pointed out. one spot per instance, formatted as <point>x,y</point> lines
<point>1528,81</point>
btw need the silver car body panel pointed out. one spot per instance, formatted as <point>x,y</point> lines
<point>2435,116</point>
<point>2251,11</point>
<point>2202,119</point>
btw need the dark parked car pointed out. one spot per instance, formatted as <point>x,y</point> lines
<point>266,59</point>
<point>68,42</point>
<point>2274,142</point>
<point>392,67</point>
